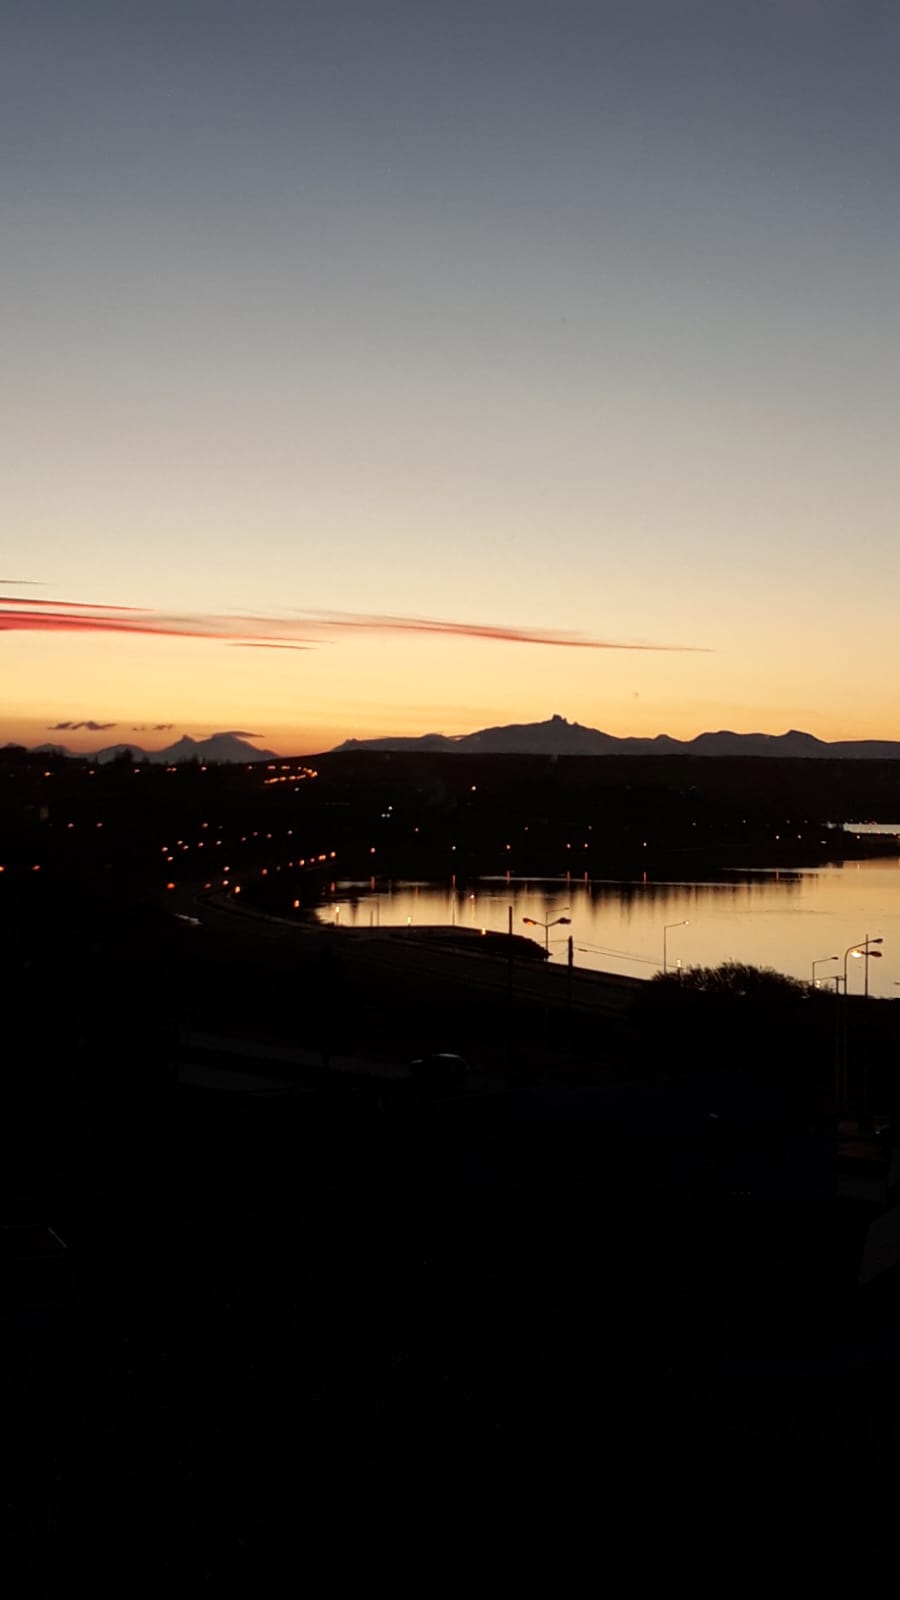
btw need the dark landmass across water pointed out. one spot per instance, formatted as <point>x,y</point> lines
<point>285,824</point>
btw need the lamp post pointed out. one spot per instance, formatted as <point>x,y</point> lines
<point>535,922</point>
<point>682,924</point>
<point>862,952</point>
<point>821,963</point>
<point>869,955</point>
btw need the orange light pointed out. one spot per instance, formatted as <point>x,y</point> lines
<point>170,885</point>
<point>237,888</point>
<point>296,905</point>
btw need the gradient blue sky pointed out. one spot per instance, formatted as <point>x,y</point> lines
<point>562,317</point>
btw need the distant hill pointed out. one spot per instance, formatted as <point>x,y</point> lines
<point>557,737</point>
<point>219,747</point>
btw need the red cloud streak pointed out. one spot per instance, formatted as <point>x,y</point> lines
<point>298,632</point>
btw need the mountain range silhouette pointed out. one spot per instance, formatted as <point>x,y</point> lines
<point>558,737</point>
<point>225,747</point>
<point>555,737</point>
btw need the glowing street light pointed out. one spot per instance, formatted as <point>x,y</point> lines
<point>821,963</point>
<point>861,951</point>
<point>535,922</point>
<point>682,924</point>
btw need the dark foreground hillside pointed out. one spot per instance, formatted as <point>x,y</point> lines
<point>310,1315</point>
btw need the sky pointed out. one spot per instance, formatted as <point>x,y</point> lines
<point>390,366</point>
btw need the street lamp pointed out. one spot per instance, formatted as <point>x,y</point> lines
<point>535,922</point>
<point>682,924</point>
<point>821,963</point>
<point>862,952</point>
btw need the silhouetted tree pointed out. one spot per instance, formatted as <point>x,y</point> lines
<point>735,978</point>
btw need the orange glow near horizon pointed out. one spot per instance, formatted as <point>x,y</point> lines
<point>86,690</point>
<point>150,692</point>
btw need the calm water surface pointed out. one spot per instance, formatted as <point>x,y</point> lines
<point>779,919</point>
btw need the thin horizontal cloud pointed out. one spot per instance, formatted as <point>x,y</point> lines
<point>302,630</point>
<point>349,621</point>
<point>72,727</point>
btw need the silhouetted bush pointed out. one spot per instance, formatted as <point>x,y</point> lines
<point>735,978</point>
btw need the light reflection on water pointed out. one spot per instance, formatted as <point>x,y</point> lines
<point>782,919</point>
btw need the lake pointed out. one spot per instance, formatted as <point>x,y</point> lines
<point>774,918</point>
